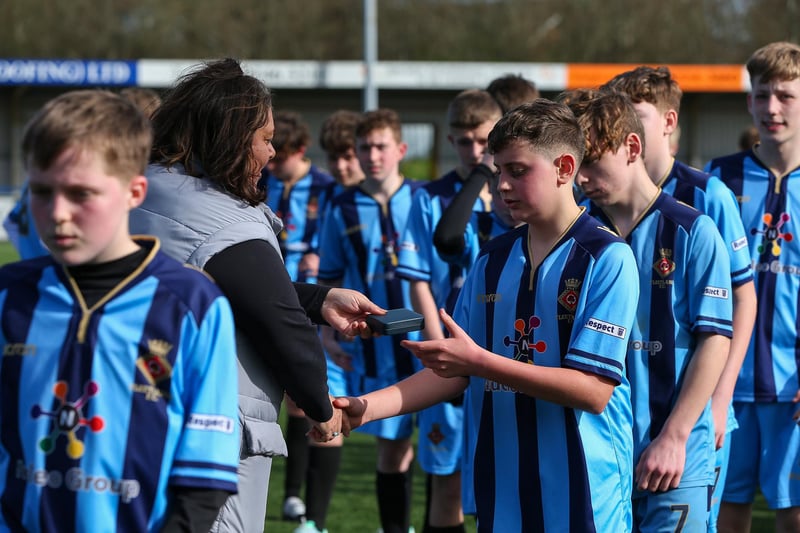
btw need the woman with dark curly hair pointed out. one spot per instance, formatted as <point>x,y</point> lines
<point>212,137</point>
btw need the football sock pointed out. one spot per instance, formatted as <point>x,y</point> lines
<point>428,490</point>
<point>448,529</point>
<point>394,501</point>
<point>323,467</point>
<point>297,461</point>
<point>428,528</point>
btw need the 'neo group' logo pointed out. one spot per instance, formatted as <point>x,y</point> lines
<point>523,343</point>
<point>772,233</point>
<point>68,418</point>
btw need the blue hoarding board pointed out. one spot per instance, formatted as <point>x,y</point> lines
<point>66,72</point>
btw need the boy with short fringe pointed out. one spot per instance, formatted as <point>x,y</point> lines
<point>765,450</point>
<point>337,137</point>
<point>656,97</point>
<point>471,115</point>
<point>549,305</point>
<point>680,338</point>
<point>358,250</point>
<point>115,412</point>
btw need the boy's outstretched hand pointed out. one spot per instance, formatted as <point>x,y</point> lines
<point>453,357</point>
<point>352,412</point>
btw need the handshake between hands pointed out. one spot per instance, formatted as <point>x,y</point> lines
<point>347,414</point>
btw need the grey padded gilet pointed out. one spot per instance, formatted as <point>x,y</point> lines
<point>195,219</point>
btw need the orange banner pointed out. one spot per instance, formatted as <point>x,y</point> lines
<point>691,78</point>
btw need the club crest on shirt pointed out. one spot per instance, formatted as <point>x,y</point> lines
<point>773,235</point>
<point>156,369</point>
<point>569,296</point>
<point>665,265</point>
<point>435,435</point>
<point>524,347</point>
<point>312,209</point>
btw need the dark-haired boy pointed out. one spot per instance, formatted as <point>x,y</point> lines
<point>547,415</point>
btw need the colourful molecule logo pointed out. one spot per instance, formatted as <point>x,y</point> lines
<point>68,418</point>
<point>523,344</point>
<point>772,233</point>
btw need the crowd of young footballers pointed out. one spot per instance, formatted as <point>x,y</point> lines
<point>600,318</point>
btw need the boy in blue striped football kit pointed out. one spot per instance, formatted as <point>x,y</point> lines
<point>656,97</point>
<point>358,250</point>
<point>765,450</point>
<point>680,338</point>
<point>118,366</point>
<point>298,192</point>
<point>546,313</point>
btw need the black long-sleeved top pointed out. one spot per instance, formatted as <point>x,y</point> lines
<point>275,315</point>
<point>448,237</point>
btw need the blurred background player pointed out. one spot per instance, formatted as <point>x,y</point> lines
<point>434,285</point>
<point>450,239</point>
<point>765,450</point>
<point>297,191</point>
<point>358,249</point>
<point>337,137</point>
<point>512,90</point>
<point>656,97</point>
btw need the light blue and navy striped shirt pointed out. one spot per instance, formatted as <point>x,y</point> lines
<point>684,290</point>
<point>301,209</point>
<point>104,408</point>
<point>530,464</point>
<point>766,205</point>
<point>358,246</point>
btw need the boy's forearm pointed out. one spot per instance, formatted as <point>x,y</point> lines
<point>702,376</point>
<point>423,303</point>
<point>744,315</point>
<point>563,386</point>
<point>413,394</point>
